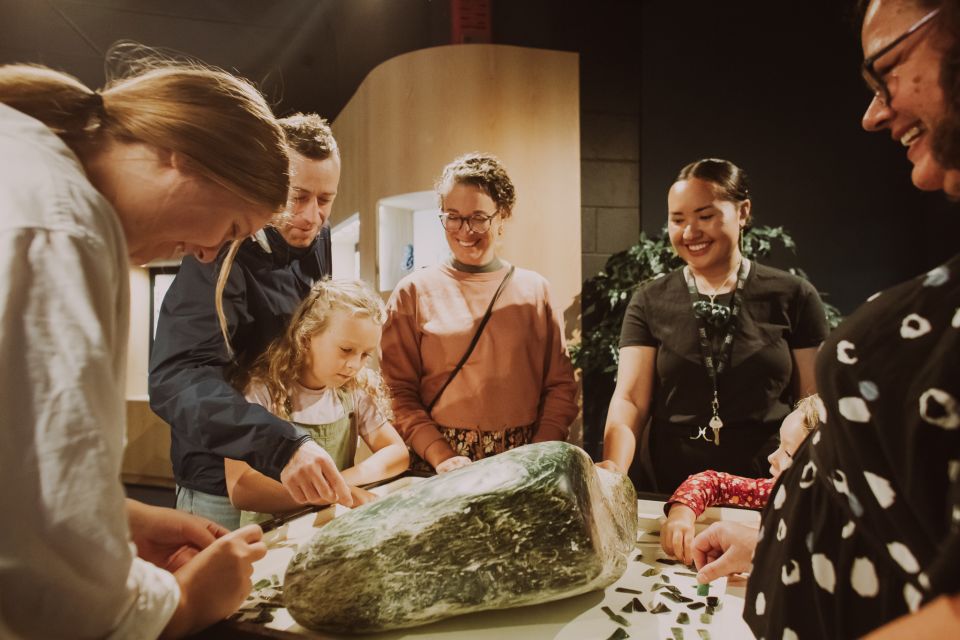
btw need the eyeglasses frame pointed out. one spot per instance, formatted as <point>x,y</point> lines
<point>485,219</point>
<point>881,91</point>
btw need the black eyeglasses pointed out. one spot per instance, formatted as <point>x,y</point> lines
<point>476,223</point>
<point>874,79</point>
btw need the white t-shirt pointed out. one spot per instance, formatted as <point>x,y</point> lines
<point>68,568</point>
<point>321,406</point>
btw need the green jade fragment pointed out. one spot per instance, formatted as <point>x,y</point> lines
<point>265,616</point>
<point>703,589</point>
<point>704,634</point>
<point>683,618</point>
<point>261,584</point>
<point>615,617</point>
<point>677,633</point>
<point>660,608</point>
<point>650,572</point>
<point>619,634</point>
<point>676,597</point>
<point>665,578</point>
<point>706,618</point>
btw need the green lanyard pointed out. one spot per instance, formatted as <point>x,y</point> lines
<point>715,366</point>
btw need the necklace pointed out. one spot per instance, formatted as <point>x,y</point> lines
<point>716,363</point>
<point>716,315</point>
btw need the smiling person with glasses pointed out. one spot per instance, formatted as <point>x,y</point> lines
<point>473,349</point>
<point>900,69</point>
<point>862,535</point>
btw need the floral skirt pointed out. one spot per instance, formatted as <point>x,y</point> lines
<point>477,445</point>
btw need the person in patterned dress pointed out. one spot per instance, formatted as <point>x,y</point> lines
<point>863,533</point>
<point>713,488</point>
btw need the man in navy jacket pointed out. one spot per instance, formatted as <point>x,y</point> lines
<point>272,273</point>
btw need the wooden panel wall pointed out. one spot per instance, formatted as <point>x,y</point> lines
<point>416,112</point>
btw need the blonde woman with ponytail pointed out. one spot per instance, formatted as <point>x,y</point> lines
<point>315,376</point>
<point>153,165</point>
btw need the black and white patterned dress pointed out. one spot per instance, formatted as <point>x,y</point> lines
<point>865,526</point>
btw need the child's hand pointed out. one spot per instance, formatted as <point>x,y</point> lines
<point>362,496</point>
<point>677,533</point>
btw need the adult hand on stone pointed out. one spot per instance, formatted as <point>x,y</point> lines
<point>722,549</point>
<point>311,477</point>
<point>453,463</point>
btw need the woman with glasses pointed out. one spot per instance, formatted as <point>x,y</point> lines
<point>473,349</point>
<point>713,354</point>
<point>862,536</point>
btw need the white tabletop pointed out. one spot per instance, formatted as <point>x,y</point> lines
<point>576,618</point>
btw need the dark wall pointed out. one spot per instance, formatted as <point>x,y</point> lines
<point>772,87</point>
<point>304,54</point>
<point>778,91</point>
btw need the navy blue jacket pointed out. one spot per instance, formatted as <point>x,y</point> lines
<point>209,419</point>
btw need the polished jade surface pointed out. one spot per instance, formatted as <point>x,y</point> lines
<point>534,524</point>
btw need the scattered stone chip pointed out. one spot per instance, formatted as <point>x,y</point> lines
<point>615,617</point>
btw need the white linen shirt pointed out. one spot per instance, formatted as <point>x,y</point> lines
<point>68,568</point>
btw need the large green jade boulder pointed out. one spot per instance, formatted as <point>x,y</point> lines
<point>534,524</point>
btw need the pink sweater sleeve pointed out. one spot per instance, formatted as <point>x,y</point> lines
<point>558,400</point>
<point>712,488</point>
<point>402,369</point>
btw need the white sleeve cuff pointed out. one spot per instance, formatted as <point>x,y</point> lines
<point>157,595</point>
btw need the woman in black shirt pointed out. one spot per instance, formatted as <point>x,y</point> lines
<point>714,354</point>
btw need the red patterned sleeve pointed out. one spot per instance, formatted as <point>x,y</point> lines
<point>716,488</point>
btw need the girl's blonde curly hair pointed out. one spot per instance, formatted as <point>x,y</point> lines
<point>284,361</point>
<point>809,412</point>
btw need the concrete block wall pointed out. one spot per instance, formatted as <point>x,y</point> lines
<point>609,162</point>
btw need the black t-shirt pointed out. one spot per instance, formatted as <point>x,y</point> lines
<point>780,312</point>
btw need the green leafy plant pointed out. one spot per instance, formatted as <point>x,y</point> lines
<point>604,299</point>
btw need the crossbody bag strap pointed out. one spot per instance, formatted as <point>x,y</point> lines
<point>473,343</point>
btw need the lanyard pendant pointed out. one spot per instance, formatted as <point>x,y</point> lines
<point>716,424</point>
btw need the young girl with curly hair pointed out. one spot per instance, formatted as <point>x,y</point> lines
<point>315,376</point>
